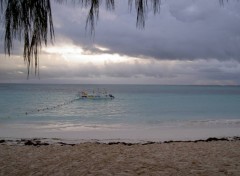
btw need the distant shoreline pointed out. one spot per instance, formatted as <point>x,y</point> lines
<point>98,84</point>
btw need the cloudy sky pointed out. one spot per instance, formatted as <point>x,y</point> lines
<point>194,42</point>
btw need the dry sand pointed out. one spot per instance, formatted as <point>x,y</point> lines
<point>177,158</point>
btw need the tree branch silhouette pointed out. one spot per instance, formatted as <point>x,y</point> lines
<point>32,21</point>
<point>142,7</point>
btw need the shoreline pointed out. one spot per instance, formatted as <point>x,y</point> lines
<point>118,133</point>
<point>56,141</point>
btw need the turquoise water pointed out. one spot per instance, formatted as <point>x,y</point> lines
<point>41,107</point>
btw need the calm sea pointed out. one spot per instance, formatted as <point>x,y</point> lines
<point>141,112</point>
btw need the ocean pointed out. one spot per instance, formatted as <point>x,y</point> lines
<point>138,112</point>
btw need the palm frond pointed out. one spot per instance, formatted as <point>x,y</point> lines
<point>30,20</point>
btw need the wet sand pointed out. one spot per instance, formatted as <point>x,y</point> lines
<point>212,157</point>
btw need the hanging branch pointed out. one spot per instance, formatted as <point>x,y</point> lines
<point>92,15</point>
<point>30,20</point>
<point>142,8</point>
<point>110,5</point>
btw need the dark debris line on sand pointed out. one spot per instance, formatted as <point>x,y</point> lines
<point>38,142</point>
<point>2,141</point>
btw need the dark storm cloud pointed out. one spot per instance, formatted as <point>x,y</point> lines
<point>183,30</point>
<point>189,42</point>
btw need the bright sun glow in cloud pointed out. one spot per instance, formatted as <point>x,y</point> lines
<point>101,48</point>
<point>64,50</point>
<point>75,54</point>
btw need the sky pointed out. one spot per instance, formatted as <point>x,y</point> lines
<point>189,42</point>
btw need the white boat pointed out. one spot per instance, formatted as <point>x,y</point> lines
<point>95,95</point>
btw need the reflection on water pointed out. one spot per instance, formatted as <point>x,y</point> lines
<point>145,109</point>
<point>133,104</point>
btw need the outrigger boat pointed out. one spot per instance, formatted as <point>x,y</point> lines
<point>95,95</point>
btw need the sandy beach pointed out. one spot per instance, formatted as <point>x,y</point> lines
<point>172,158</point>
